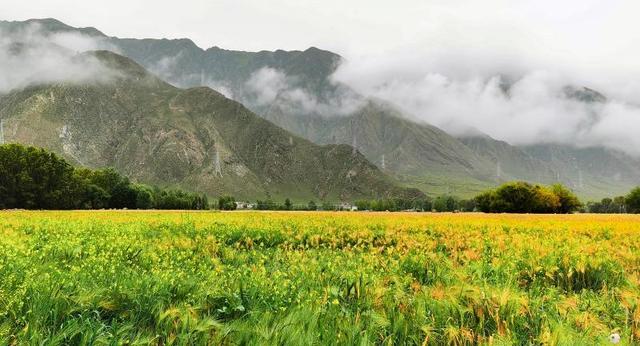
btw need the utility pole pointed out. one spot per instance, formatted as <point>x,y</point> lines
<point>354,143</point>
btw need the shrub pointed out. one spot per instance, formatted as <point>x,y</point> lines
<point>632,201</point>
<point>227,203</point>
<point>522,197</point>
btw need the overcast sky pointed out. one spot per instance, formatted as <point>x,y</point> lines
<point>438,59</point>
<point>594,36</point>
<point>593,27</point>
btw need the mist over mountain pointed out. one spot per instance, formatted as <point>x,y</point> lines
<point>194,139</point>
<point>36,52</point>
<point>536,125</point>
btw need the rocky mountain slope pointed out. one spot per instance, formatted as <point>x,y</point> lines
<point>194,138</point>
<point>294,90</point>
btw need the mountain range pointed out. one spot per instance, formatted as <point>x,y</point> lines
<point>295,91</point>
<point>194,138</point>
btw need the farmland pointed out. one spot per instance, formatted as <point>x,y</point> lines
<point>200,278</point>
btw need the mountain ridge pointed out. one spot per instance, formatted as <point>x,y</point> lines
<point>194,138</point>
<point>470,165</point>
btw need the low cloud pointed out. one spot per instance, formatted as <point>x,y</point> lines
<point>30,57</point>
<point>268,86</point>
<point>168,68</point>
<point>481,91</point>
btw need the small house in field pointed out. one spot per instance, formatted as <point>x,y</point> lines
<point>244,206</point>
<point>347,207</point>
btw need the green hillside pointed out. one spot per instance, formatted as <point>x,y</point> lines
<point>416,154</point>
<point>194,139</point>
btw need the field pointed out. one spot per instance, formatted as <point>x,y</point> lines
<point>210,278</point>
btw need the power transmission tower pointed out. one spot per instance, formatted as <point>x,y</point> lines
<point>2,132</point>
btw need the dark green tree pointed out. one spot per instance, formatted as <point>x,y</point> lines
<point>445,204</point>
<point>227,203</point>
<point>328,206</point>
<point>32,178</point>
<point>312,205</point>
<point>632,201</point>
<point>569,202</point>
<point>522,197</point>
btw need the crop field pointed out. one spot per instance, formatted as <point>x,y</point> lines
<point>317,278</point>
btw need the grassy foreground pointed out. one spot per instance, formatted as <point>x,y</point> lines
<point>207,278</point>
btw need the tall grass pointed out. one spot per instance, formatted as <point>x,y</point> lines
<point>169,278</point>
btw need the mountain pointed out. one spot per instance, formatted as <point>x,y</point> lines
<point>194,138</point>
<point>593,172</point>
<point>509,162</point>
<point>294,90</point>
<point>47,25</point>
<point>418,155</point>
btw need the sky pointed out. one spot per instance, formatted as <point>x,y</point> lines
<point>355,26</point>
<point>442,61</point>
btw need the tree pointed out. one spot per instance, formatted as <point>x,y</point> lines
<point>328,206</point>
<point>632,201</point>
<point>95,197</point>
<point>467,205</point>
<point>544,201</point>
<point>267,204</point>
<point>312,205</point>
<point>144,197</point>
<point>619,205</point>
<point>445,204</point>
<point>227,203</point>
<point>569,202</point>
<point>424,205</point>
<point>363,204</point>
<point>120,190</point>
<point>200,202</point>
<point>287,204</point>
<point>522,197</point>
<point>33,178</point>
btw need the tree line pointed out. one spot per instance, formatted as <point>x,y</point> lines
<point>444,203</point>
<point>33,178</point>
<point>617,205</point>
<point>522,197</point>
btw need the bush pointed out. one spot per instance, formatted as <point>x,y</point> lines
<point>445,204</point>
<point>227,203</point>
<point>395,204</point>
<point>287,204</point>
<point>608,206</point>
<point>267,204</point>
<point>569,202</point>
<point>522,197</point>
<point>632,201</point>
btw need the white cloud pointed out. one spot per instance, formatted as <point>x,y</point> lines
<point>438,59</point>
<point>268,86</point>
<point>533,109</point>
<point>28,57</point>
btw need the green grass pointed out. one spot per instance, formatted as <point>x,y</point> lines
<point>175,278</point>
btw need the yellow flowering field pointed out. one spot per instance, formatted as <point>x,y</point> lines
<point>317,278</point>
